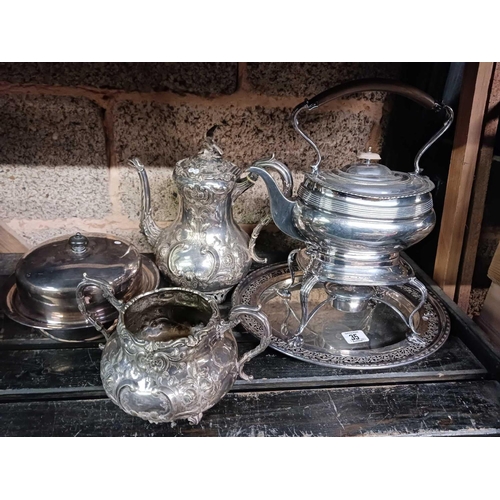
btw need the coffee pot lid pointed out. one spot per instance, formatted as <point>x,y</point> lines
<point>369,178</point>
<point>209,164</point>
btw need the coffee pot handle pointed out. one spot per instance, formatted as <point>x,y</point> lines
<point>374,85</point>
<point>242,185</point>
<point>265,339</point>
<point>108,294</point>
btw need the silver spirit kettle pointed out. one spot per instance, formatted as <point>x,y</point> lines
<point>355,220</point>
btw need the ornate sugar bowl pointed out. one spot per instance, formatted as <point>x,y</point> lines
<point>204,248</point>
<point>172,356</point>
<point>356,220</point>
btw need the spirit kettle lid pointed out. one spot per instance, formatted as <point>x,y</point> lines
<point>369,178</point>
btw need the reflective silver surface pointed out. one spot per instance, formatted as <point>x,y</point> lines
<point>41,292</point>
<point>203,248</point>
<point>357,219</point>
<point>348,232</point>
<point>368,178</point>
<point>347,298</point>
<point>172,356</point>
<point>323,343</point>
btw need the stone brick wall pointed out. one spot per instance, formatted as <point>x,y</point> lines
<point>68,129</point>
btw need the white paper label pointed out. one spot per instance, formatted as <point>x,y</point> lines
<point>355,336</point>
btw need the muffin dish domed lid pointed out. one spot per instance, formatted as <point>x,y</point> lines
<point>42,291</point>
<point>370,179</point>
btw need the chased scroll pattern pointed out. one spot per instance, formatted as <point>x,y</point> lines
<point>203,249</point>
<point>163,382</point>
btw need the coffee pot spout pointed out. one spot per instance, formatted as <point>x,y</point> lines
<point>281,203</point>
<point>148,225</point>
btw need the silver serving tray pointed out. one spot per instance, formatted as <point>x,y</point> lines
<point>324,343</point>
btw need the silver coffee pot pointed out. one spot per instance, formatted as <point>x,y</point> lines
<point>356,220</point>
<point>204,249</point>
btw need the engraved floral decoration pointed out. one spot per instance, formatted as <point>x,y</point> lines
<point>173,381</point>
<point>203,248</point>
<point>171,356</point>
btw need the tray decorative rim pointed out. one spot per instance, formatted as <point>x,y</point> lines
<point>249,292</point>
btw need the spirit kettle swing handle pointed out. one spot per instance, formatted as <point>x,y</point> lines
<point>373,85</point>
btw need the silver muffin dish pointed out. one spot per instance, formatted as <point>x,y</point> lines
<point>42,291</point>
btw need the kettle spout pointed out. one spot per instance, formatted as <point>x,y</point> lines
<point>148,225</point>
<point>281,206</point>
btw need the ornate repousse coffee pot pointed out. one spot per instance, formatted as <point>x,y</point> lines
<point>204,248</point>
<point>356,220</point>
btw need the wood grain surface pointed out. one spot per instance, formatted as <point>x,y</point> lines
<point>438,409</point>
<point>8,242</point>
<point>49,388</point>
<point>479,191</point>
<point>468,129</point>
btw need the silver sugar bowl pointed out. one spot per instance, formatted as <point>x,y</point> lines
<point>203,249</point>
<point>171,356</point>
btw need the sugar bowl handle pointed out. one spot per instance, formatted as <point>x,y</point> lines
<point>108,294</point>
<point>265,340</point>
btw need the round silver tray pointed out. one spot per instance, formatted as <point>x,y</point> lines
<point>77,331</point>
<point>324,343</point>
